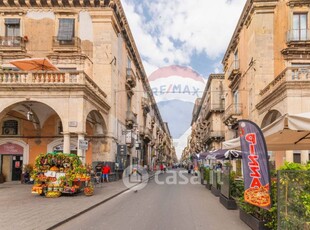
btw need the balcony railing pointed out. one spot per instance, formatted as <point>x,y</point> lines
<point>233,69</point>
<point>73,45</point>
<point>288,75</point>
<point>213,135</point>
<point>213,107</point>
<point>231,111</point>
<point>298,35</point>
<point>12,43</point>
<point>130,78</point>
<point>131,119</point>
<point>46,78</point>
<point>146,133</point>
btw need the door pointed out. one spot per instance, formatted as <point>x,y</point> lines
<point>17,164</point>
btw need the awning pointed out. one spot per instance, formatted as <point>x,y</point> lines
<point>221,154</point>
<point>288,132</point>
<point>34,64</point>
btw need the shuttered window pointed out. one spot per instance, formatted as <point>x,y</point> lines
<point>66,29</point>
<point>12,21</point>
<point>12,27</point>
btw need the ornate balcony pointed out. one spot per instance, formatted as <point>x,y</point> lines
<point>152,121</point>
<point>131,119</point>
<point>213,107</point>
<point>130,78</point>
<point>288,83</point>
<point>214,136</point>
<point>145,133</point>
<point>73,45</point>
<point>232,114</point>
<point>12,43</point>
<point>233,70</point>
<point>296,36</point>
<point>49,79</point>
<point>145,104</point>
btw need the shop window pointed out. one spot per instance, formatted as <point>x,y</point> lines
<point>10,127</point>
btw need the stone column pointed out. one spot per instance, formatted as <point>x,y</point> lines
<point>66,145</point>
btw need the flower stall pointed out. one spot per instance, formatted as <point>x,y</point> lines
<point>55,174</point>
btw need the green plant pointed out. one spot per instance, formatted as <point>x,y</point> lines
<point>207,175</point>
<point>236,187</point>
<point>267,216</point>
<point>294,197</point>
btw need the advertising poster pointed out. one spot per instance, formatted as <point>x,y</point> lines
<point>255,165</point>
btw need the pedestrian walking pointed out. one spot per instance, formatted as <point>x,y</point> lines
<point>162,168</point>
<point>105,173</point>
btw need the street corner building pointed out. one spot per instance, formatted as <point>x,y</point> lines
<point>72,81</point>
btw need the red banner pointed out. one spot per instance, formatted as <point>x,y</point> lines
<point>255,165</point>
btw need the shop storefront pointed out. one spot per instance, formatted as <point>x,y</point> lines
<point>11,161</point>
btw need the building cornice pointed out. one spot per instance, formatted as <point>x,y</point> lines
<point>56,3</point>
<point>298,3</point>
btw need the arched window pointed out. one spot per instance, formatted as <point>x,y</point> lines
<point>10,127</point>
<point>270,117</point>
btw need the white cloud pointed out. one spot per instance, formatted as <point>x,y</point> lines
<point>168,32</point>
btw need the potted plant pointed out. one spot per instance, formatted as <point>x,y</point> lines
<point>258,218</point>
<point>207,178</point>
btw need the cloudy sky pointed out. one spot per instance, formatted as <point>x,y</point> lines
<point>193,34</point>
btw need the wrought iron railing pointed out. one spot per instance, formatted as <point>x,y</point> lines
<point>233,69</point>
<point>69,45</point>
<point>12,42</point>
<point>298,35</point>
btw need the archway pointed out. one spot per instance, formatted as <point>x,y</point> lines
<point>96,130</point>
<point>26,129</point>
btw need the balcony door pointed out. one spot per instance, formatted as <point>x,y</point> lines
<point>300,26</point>
<point>12,27</point>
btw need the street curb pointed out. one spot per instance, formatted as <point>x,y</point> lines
<point>94,206</point>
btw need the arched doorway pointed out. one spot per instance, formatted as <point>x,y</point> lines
<point>13,154</point>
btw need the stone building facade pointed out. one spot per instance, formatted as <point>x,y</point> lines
<point>267,66</point>
<point>97,103</point>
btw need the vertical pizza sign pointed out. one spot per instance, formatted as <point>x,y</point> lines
<point>255,165</point>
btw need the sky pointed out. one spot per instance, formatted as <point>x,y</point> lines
<point>193,34</point>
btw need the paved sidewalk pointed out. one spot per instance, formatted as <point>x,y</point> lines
<point>20,209</point>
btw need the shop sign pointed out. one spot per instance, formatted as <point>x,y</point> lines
<point>83,144</point>
<point>11,149</point>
